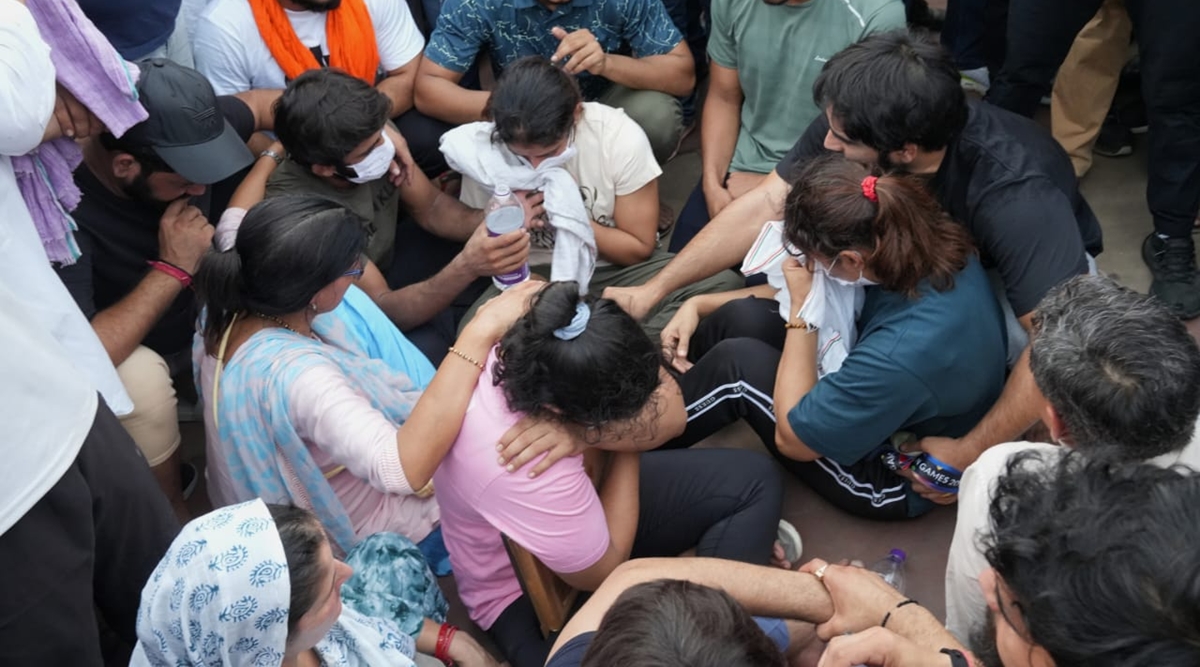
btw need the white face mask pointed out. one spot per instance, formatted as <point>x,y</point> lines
<point>553,161</point>
<point>860,282</point>
<point>375,165</point>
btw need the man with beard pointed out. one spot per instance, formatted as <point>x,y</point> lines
<point>1090,563</point>
<point>143,227</point>
<point>264,44</point>
<point>759,95</point>
<point>894,101</point>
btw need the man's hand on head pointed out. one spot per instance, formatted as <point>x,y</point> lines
<point>74,119</point>
<point>583,50</point>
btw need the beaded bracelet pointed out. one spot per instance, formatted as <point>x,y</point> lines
<point>462,355</point>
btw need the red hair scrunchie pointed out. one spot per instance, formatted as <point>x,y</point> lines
<point>868,188</point>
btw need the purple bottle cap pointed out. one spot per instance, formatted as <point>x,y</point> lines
<point>898,554</point>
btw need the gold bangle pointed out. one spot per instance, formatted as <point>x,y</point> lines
<point>799,324</point>
<point>461,355</point>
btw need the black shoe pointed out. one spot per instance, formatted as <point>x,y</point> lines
<point>1133,116</point>
<point>1115,140</point>
<point>1176,281</point>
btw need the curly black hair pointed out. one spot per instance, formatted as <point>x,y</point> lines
<point>1101,559</point>
<point>607,374</point>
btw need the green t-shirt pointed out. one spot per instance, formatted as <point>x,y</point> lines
<point>377,201</point>
<point>778,50</point>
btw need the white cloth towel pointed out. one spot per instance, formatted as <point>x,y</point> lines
<point>469,150</point>
<point>831,307</point>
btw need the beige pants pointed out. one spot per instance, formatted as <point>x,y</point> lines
<point>1087,82</point>
<point>154,422</point>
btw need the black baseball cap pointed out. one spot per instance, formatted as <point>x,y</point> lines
<point>186,127</point>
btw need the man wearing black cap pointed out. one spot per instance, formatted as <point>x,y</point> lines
<point>143,227</point>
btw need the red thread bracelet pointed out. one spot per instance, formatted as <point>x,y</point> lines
<point>170,269</point>
<point>445,636</point>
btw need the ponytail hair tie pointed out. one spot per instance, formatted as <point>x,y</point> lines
<point>868,188</point>
<point>571,331</point>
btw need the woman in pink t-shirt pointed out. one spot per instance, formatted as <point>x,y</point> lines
<point>583,365</point>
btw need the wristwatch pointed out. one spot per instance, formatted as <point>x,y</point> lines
<point>273,155</point>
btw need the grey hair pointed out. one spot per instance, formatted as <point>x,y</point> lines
<point>1120,370</point>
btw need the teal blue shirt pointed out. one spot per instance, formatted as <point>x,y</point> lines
<point>932,365</point>
<point>513,29</point>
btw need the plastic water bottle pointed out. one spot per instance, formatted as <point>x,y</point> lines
<point>891,568</point>
<point>504,214</point>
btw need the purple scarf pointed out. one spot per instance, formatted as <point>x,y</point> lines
<point>88,66</point>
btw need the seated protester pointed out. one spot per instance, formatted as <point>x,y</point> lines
<point>687,611</point>
<point>263,587</point>
<point>929,356</point>
<point>1090,563</point>
<point>1107,397</point>
<point>585,39</point>
<point>143,30</point>
<point>299,405</point>
<point>333,129</point>
<point>263,44</point>
<point>1002,176</point>
<point>764,58</point>
<point>539,115</point>
<point>582,363</point>
<point>143,227</point>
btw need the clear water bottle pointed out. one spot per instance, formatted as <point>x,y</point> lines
<point>504,214</point>
<point>891,568</point>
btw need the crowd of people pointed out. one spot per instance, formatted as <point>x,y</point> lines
<point>271,217</point>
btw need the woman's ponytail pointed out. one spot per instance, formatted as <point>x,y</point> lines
<point>218,284</point>
<point>915,239</point>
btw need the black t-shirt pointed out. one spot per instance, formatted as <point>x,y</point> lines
<point>1014,188</point>
<point>117,236</point>
<point>571,653</point>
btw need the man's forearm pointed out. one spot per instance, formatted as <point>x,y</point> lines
<point>619,497</point>
<point>723,242</point>
<point>763,591</point>
<point>449,218</point>
<point>123,326</point>
<point>920,626</point>
<point>718,136</point>
<point>414,305</point>
<point>398,86</point>
<point>449,101</point>
<point>1019,407</point>
<point>671,73</point>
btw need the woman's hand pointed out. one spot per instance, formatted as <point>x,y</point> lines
<point>465,651</point>
<point>530,438</point>
<point>677,335</point>
<point>861,598</point>
<point>495,317</point>
<point>799,282</point>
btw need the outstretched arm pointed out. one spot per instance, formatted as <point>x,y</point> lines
<point>763,591</point>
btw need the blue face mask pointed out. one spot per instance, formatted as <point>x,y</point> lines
<point>860,282</point>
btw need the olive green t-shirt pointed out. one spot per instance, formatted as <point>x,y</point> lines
<point>778,50</point>
<point>377,201</point>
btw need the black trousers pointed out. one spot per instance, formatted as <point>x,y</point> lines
<point>1040,34</point>
<point>723,502</point>
<point>90,543</point>
<point>736,351</point>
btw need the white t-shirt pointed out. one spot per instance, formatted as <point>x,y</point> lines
<point>966,608</point>
<point>613,158</point>
<point>230,51</point>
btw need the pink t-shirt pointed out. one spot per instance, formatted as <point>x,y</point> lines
<point>557,516</point>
